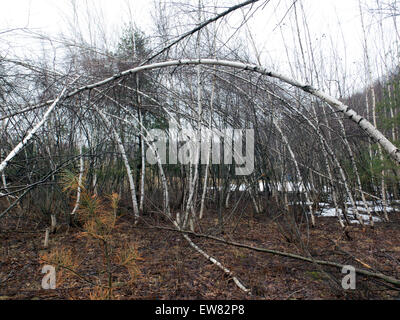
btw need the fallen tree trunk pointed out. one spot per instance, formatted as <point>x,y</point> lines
<point>380,276</point>
<point>208,257</point>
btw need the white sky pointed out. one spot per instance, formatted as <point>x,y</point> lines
<point>48,14</point>
<point>324,17</point>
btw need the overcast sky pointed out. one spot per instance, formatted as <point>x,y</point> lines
<point>46,14</point>
<point>332,23</point>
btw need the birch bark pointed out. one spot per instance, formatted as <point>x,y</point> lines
<point>126,163</point>
<point>29,136</point>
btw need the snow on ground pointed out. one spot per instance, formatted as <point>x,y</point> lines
<point>327,211</point>
<point>289,187</point>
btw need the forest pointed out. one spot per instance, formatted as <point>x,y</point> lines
<point>213,150</point>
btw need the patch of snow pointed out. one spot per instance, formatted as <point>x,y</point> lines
<point>331,212</point>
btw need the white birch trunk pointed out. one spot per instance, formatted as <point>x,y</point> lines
<point>81,170</point>
<point>143,173</point>
<point>4,181</point>
<point>203,196</point>
<point>354,165</point>
<point>192,183</point>
<point>46,238</point>
<point>228,196</point>
<point>53,223</point>
<point>205,185</point>
<point>94,182</point>
<point>29,136</point>
<point>298,173</point>
<point>369,73</point>
<point>159,162</point>
<point>330,152</point>
<point>126,163</point>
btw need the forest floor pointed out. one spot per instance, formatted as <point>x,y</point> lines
<point>171,269</point>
